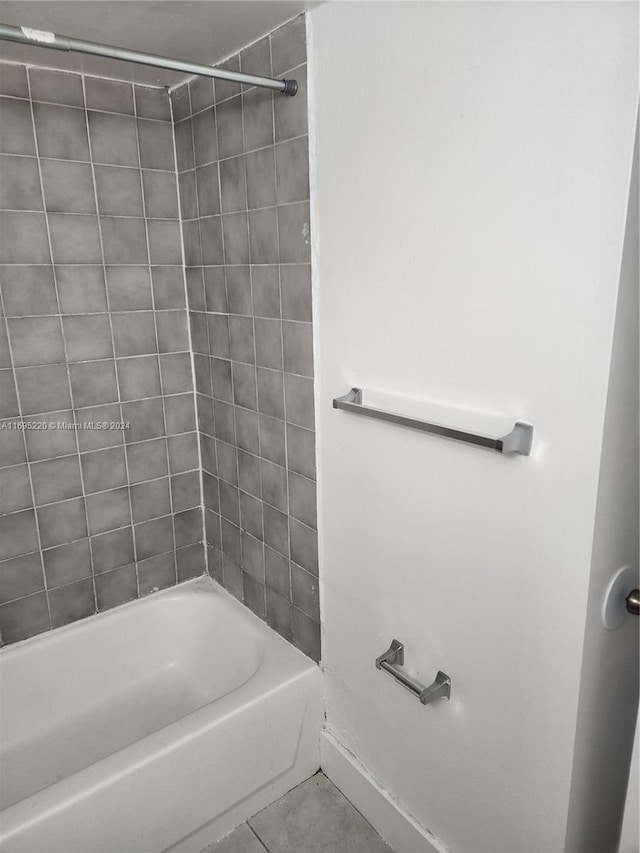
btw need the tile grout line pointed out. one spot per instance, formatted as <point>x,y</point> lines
<point>257,836</point>
<point>190,311</point>
<point>243,93</point>
<point>64,344</point>
<point>225,557</point>
<point>284,394</point>
<point>26,462</point>
<point>113,346</point>
<point>157,355</point>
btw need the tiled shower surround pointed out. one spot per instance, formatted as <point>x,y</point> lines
<point>95,332</point>
<point>93,296</point>
<point>242,157</point>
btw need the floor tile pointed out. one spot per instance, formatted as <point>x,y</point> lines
<point>241,840</point>
<point>315,818</point>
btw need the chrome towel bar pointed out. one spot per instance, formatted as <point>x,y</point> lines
<point>394,658</point>
<point>519,440</point>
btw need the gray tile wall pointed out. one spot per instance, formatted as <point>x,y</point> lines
<point>93,330</point>
<point>242,156</point>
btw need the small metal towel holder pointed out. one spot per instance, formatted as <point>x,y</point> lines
<point>519,440</point>
<point>394,658</point>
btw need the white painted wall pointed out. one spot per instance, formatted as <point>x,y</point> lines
<point>608,705</point>
<point>470,169</point>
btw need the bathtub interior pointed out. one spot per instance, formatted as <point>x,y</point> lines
<point>81,693</point>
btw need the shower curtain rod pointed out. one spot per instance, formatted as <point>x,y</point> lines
<point>42,38</point>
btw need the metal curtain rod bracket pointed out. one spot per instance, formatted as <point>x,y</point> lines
<point>519,440</point>
<point>393,658</point>
<point>42,38</point>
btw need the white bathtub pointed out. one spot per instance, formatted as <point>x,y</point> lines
<point>158,725</point>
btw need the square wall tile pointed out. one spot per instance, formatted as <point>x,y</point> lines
<point>68,187</point>
<point>150,500</point>
<point>116,587</point>
<point>297,342</point>
<point>294,233</point>
<point>108,510</point>
<point>156,145</point>
<point>229,126</point>
<point>88,337</point>
<point>112,550</point>
<point>109,95</point>
<point>74,239</point>
<point>160,194</point>
<point>24,618</point>
<point>61,132</point>
<point>288,46</point>
<point>119,191</point>
<point>9,407</point>
<point>263,236</point>
<point>168,287</point>
<point>63,522</point>
<point>124,240</point>
<point>20,576</point>
<point>36,340</point>
<point>266,291</point>
<point>19,183</point>
<point>233,185</point>
<point>28,290</point>
<point>43,389</point>
<point>256,58</point>
<point>173,335</point>
<point>204,137</point>
<point>138,377</point>
<point>183,452</point>
<point>154,537</point>
<point>54,441</point>
<point>156,573</point>
<point>129,288</point>
<point>292,169</point>
<point>93,383</point>
<point>103,469</point>
<point>18,534</point>
<point>13,81</point>
<point>208,189</point>
<point>56,480</point>
<point>213,245</point>
<point>165,245</point>
<point>257,111</point>
<point>114,139</point>
<point>290,114</point>
<point>56,87</point>
<point>175,369</point>
<point>227,88</point>
<point>152,103</point>
<point>15,489</point>
<point>145,418</point>
<point>24,238</point>
<point>134,333</point>
<point>72,602</point>
<point>147,460</point>
<point>67,563</point>
<point>190,561</point>
<point>261,178</point>
<point>201,93</point>
<point>179,414</point>
<point>16,127</point>
<point>81,289</point>
<point>295,283</point>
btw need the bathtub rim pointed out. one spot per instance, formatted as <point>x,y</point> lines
<point>274,673</point>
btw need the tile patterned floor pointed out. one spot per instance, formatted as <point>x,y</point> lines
<point>312,818</point>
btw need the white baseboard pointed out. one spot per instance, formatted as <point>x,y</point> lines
<point>397,828</point>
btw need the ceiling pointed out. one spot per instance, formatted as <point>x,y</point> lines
<point>205,31</point>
